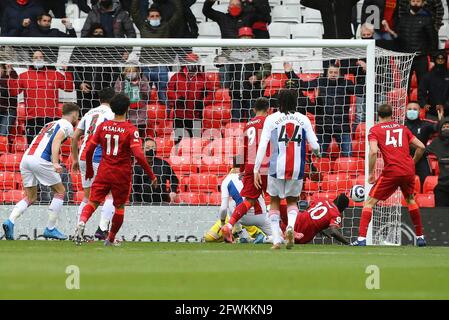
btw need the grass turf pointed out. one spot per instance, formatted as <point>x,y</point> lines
<point>36,269</point>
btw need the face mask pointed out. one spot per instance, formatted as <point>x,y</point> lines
<point>22,2</point>
<point>38,64</point>
<point>445,134</point>
<point>412,114</point>
<point>155,23</point>
<point>44,28</point>
<point>415,9</point>
<point>150,153</point>
<point>131,76</point>
<point>235,11</point>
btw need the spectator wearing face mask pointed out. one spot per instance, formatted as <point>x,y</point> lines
<point>40,85</point>
<point>415,33</point>
<point>18,15</point>
<point>115,21</point>
<point>187,94</point>
<point>433,91</point>
<point>137,87</point>
<point>43,28</point>
<point>89,80</point>
<point>8,98</point>
<point>440,148</point>
<point>142,189</point>
<point>229,22</point>
<point>434,7</point>
<point>423,130</point>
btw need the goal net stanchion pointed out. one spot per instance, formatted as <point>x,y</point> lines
<point>234,74</point>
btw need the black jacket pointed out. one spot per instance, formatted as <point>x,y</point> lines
<point>228,24</point>
<point>416,33</point>
<point>367,14</point>
<point>36,31</point>
<point>435,7</point>
<point>336,16</point>
<point>143,192</point>
<point>261,15</point>
<point>7,102</point>
<point>434,89</point>
<point>14,14</point>
<point>422,129</point>
<point>440,148</point>
<point>333,102</point>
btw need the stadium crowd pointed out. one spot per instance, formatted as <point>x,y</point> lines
<point>163,98</point>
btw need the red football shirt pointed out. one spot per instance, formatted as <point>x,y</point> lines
<point>253,131</point>
<point>394,140</point>
<point>317,218</point>
<point>117,140</point>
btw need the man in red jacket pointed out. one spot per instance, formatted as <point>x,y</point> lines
<point>40,85</point>
<point>187,94</point>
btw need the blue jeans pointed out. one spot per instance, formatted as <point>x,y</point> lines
<point>7,121</point>
<point>343,139</point>
<point>159,76</point>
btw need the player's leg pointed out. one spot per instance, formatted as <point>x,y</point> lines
<point>408,188</point>
<point>293,189</point>
<point>54,210</point>
<point>83,203</point>
<point>18,210</point>
<point>107,211</point>
<point>117,221</point>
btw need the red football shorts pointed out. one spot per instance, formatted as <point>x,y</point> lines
<point>120,192</point>
<point>386,186</point>
<point>249,189</point>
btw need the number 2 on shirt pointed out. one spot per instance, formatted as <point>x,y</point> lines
<point>108,144</point>
<point>390,139</point>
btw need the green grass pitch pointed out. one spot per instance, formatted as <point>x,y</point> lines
<point>37,269</point>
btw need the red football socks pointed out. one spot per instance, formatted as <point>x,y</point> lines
<point>416,219</point>
<point>239,212</point>
<point>364,221</point>
<point>88,210</point>
<point>117,221</point>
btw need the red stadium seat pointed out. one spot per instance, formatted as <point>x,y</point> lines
<point>203,182</point>
<point>21,113</point>
<point>274,83</point>
<point>434,166</point>
<point>7,180</point>
<point>215,165</point>
<point>349,165</point>
<point>360,180</point>
<point>213,199</point>
<point>156,112</point>
<point>429,184</point>
<point>3,144</point>
<point>360,132</point>
<point>414,82</point>
<point>216,116</point>
<point>192,198</point>
<point>10,161</point>
<point>182,165</point>
<point>164,147</point>
<point>358,148</point>
<point>323,165</point>
<point>20,144</point>
<point>160,128</point>
<point>425,200</point>
<point>336,182</point>
<point>18,180</point>
<point>234,129</point>
<point>66,149</point>
<point>210,135</point>
<point>413,94</point>
<point>397,98</point>
<point>333,150</point>
<point>311,186</point>
<point>222,96</point>
<point>212,81</point>
<point>12,196</point>
<point>324,196</point>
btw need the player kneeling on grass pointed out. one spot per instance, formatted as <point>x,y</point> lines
<point>393,140</point>
<point>119,141</point>
<point>287,132</point>
<point>231,197</point>
<point>40,163</point>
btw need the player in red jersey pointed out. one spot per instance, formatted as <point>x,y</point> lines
<point>119,141</point>
<point>250,193</point>
<point>393,140</point>
<point>322,217</point>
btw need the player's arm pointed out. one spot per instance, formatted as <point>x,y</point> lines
<point>420,148</point>
<point>335,233</point>
<point>55,147</point>
<point>372,157</point>
<point>261,151</point>
<point>312,138</point>
<point>75,140</point>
